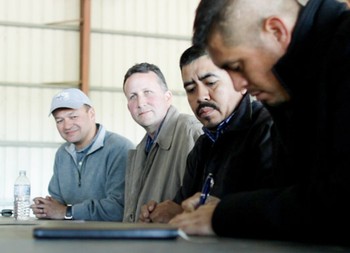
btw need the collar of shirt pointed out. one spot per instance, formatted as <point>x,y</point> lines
<point>150,141</point>
<point>80,154</point>
<point>214,135</point>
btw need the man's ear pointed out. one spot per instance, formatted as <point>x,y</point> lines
<point>169,96</point>
<point>92,112</point>
<point>279,30</point>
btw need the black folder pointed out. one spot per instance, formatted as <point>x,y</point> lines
<point>103,230</point>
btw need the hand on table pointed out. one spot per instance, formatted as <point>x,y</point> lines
<point>48,208</point>
<point>159,212</point>
<point>196,221</point>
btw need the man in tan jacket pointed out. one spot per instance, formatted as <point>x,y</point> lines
<point>156,167</point>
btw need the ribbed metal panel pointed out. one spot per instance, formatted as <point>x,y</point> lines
<point>39,48</point>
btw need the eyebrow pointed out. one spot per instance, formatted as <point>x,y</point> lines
<point>200,78</point>
<point>206,76</point>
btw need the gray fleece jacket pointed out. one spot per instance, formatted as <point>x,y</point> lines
<point>95,186</point>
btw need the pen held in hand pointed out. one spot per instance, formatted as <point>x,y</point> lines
<point>208,184</point>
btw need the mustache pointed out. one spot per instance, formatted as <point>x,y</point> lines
<point>206,104</point>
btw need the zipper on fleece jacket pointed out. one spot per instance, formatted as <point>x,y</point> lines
<point>80,165</point>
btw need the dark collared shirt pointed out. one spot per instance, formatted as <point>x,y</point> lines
<point>214,135</point>
<point>150,141</point>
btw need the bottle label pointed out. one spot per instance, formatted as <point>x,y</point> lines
<point>22,190</point>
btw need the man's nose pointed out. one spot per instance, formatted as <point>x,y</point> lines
<point>141,101</point>
<point>67,124</point>
<point>203,93</point>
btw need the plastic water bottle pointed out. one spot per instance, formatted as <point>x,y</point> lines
<point>22,197</point>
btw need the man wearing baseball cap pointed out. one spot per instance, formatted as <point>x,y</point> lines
<point>70,98</point>
<point>89,169</point>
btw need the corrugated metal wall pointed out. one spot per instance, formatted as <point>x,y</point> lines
<point>39,55</point>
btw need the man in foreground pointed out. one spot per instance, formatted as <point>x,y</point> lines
<point>294,56</point>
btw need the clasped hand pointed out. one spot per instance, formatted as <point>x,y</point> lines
<point>159,212</point>
<point>48,208</point>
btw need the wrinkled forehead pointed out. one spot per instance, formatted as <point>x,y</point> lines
<point>202,67</point>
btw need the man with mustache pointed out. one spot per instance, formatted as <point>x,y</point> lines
<point>235,147</point>
<point>156,167</point>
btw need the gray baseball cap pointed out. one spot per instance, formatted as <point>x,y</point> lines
<point>69,98</point>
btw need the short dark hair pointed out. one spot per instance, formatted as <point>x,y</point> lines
<point>190,54</point>
<point>145,68</point>
<point>208,14</point>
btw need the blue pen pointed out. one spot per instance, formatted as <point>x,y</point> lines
<point>208,184</point>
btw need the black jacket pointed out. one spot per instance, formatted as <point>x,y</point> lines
<point>311,201</point>
<point>240,159</point>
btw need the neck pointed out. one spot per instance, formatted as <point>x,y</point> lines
<point>84,143</point>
